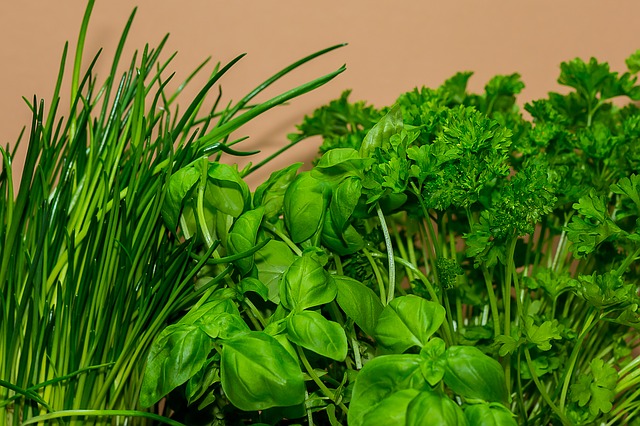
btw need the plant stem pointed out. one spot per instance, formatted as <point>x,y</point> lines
<point>325,390</point>
<point>543,392</point>
<point>390,257</point>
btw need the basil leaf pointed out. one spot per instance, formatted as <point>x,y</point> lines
<point>242,237</point>
<point>312,331</point>
<point>226,190</point>
<point>272,261</point>
<point>439,409</point>
<point>258,373</point>
<point>408,321</point>
<point>179,352</point>
<point>180,184</point>
<point>379,379</point>
<point>359,302</point>
<point>306,284</point>
<point>305,203</point>
<point>472,374</point>
<point>489,415</point>
<point>270,194</point>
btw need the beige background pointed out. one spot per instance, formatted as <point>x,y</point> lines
<point>393,46</point>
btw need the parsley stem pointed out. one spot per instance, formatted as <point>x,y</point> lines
<point>588,324</point>
<point>543,392</point>
<point>388,244</point>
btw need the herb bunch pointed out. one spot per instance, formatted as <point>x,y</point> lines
<point>89,274</point>
<point>446,258</point>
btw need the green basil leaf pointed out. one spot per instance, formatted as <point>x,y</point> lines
<point>472,374</point>
<point>344,242</point>
<point>200,383</point>
<point>392,410</point>
<point>408,321</point>
<point>434,362</point>
<point>312,331</point>
<point>270,194</point>
<point>242,237</point>
<point>340,163</point>
<point>226,191</point>
<point>271,262</point>
<point>255,285</point>
<point>489,415</point>
<point>344,201</point>
<point>223,325</point>
<point>306,284</point>
<point>380,134</point>
<point>207,312</point>
<point>258,373</point>
<point>379,379</point>
<point>180,184</point>
<point>305,203</point>
<point>359,302</point>
<point>438,409</point>
<point>179,352</point>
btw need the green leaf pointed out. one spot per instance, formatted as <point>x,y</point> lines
<point>489,415</point>
<point>597,388</point>
<point>408,321</point>
<point>270,194</point>
<point>227,192</point>
<point>359,302</point>
<point>434,362</point>
<point>381,378</point>
<point>344,201</point>
<point>254,285</point>
<point>305,203</point>
<point>271,262</point>
<point>179,352</point>
<point>633,62</point>
<point>380,134</point>
<point>392,410</point>
<point>306,284</point>
<point>258,373</point>
<point>312,331</point>
<point>472,374</point>
<point>242,237</point>
<point>541,335</point>
<point>344,242</point>
<point>180,184</point>
<point>340,163</point>
<point>436,409</point>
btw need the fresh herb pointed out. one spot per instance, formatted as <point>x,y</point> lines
<point>445,259</point>
<point>90,274</point>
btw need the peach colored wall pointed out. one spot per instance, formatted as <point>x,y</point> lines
<point>393,46</point>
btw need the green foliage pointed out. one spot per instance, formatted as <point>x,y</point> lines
<point>445,259</point>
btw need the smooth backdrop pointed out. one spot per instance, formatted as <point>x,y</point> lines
<point>393,46</point>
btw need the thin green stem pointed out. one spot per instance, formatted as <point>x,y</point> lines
<point>390,257</point>
<point>323,388</point>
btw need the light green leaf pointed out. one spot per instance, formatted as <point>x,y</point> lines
<point>258,373</point>
<point>359,302</point>
<point>312,331</point>
<point>408,321</point>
